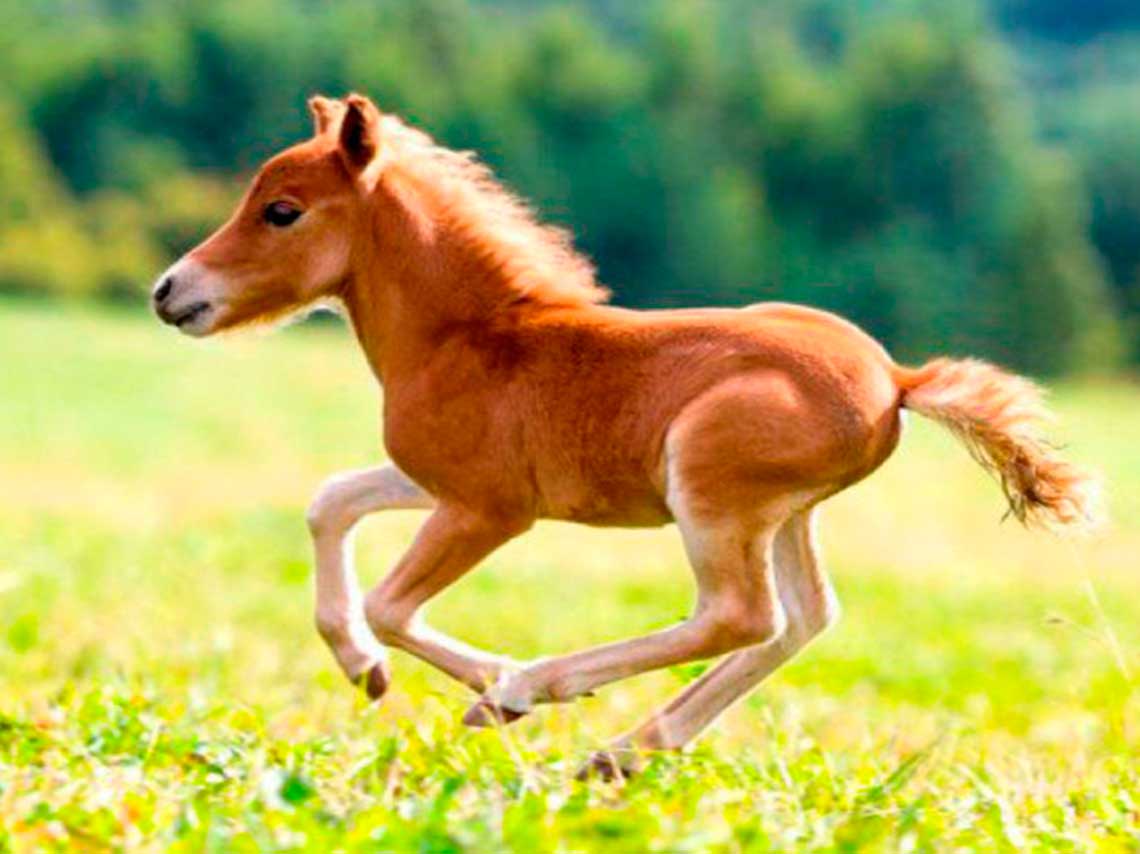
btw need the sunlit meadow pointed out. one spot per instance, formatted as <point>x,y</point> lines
<point>162,687</point>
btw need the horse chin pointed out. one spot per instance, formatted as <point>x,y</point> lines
<point>202,320</point>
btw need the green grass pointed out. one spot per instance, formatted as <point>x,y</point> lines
<point>161,687</point>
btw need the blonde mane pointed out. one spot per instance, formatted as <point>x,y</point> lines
<point>534,261</point>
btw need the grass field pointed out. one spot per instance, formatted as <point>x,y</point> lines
<point>162,688</point>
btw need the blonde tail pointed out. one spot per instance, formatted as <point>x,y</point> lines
<point>998,416</point>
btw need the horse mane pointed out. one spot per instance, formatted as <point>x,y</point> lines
<point>533,261</point>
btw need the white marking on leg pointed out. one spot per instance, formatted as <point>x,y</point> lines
<point>340,503</point>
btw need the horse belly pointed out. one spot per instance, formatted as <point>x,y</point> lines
<point>605,501</point>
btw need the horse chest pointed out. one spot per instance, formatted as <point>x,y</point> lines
<point>433,446</point>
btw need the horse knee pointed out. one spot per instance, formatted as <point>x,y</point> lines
<point>328,511</point>
<point>389,619</point>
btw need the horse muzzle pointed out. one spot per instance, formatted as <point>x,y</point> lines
<point>179,300</point>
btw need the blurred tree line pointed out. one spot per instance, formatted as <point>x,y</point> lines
<point>876,158</point>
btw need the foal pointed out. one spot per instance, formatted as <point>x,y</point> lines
<point>512,393</point>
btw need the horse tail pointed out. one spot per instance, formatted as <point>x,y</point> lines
<point>998,417</point>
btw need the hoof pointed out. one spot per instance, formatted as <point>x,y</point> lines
<point>485,713</point>
<point>376,681</point>
<point>610,766</point>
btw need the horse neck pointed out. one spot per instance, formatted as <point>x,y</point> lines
<point>416,280</point>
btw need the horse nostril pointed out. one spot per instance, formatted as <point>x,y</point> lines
<point>163,290</point>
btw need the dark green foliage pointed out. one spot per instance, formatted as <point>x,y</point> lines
<point>877,161</point>
<point>1091,104</point>
<point>1067,20</point>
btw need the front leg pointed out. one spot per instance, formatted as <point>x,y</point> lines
<point>451,542</point>
<point>341,502</point>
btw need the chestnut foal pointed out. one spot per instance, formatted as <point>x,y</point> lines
<point>511,393</point>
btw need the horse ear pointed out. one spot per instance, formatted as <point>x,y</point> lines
<point>359,132</point>
<point>326,113</point>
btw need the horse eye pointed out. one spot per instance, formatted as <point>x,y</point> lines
<point>281,214</point>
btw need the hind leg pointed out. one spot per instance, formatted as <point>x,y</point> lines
<point>736,607</point>
<point>810,603</point>
<point>730,550</point>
